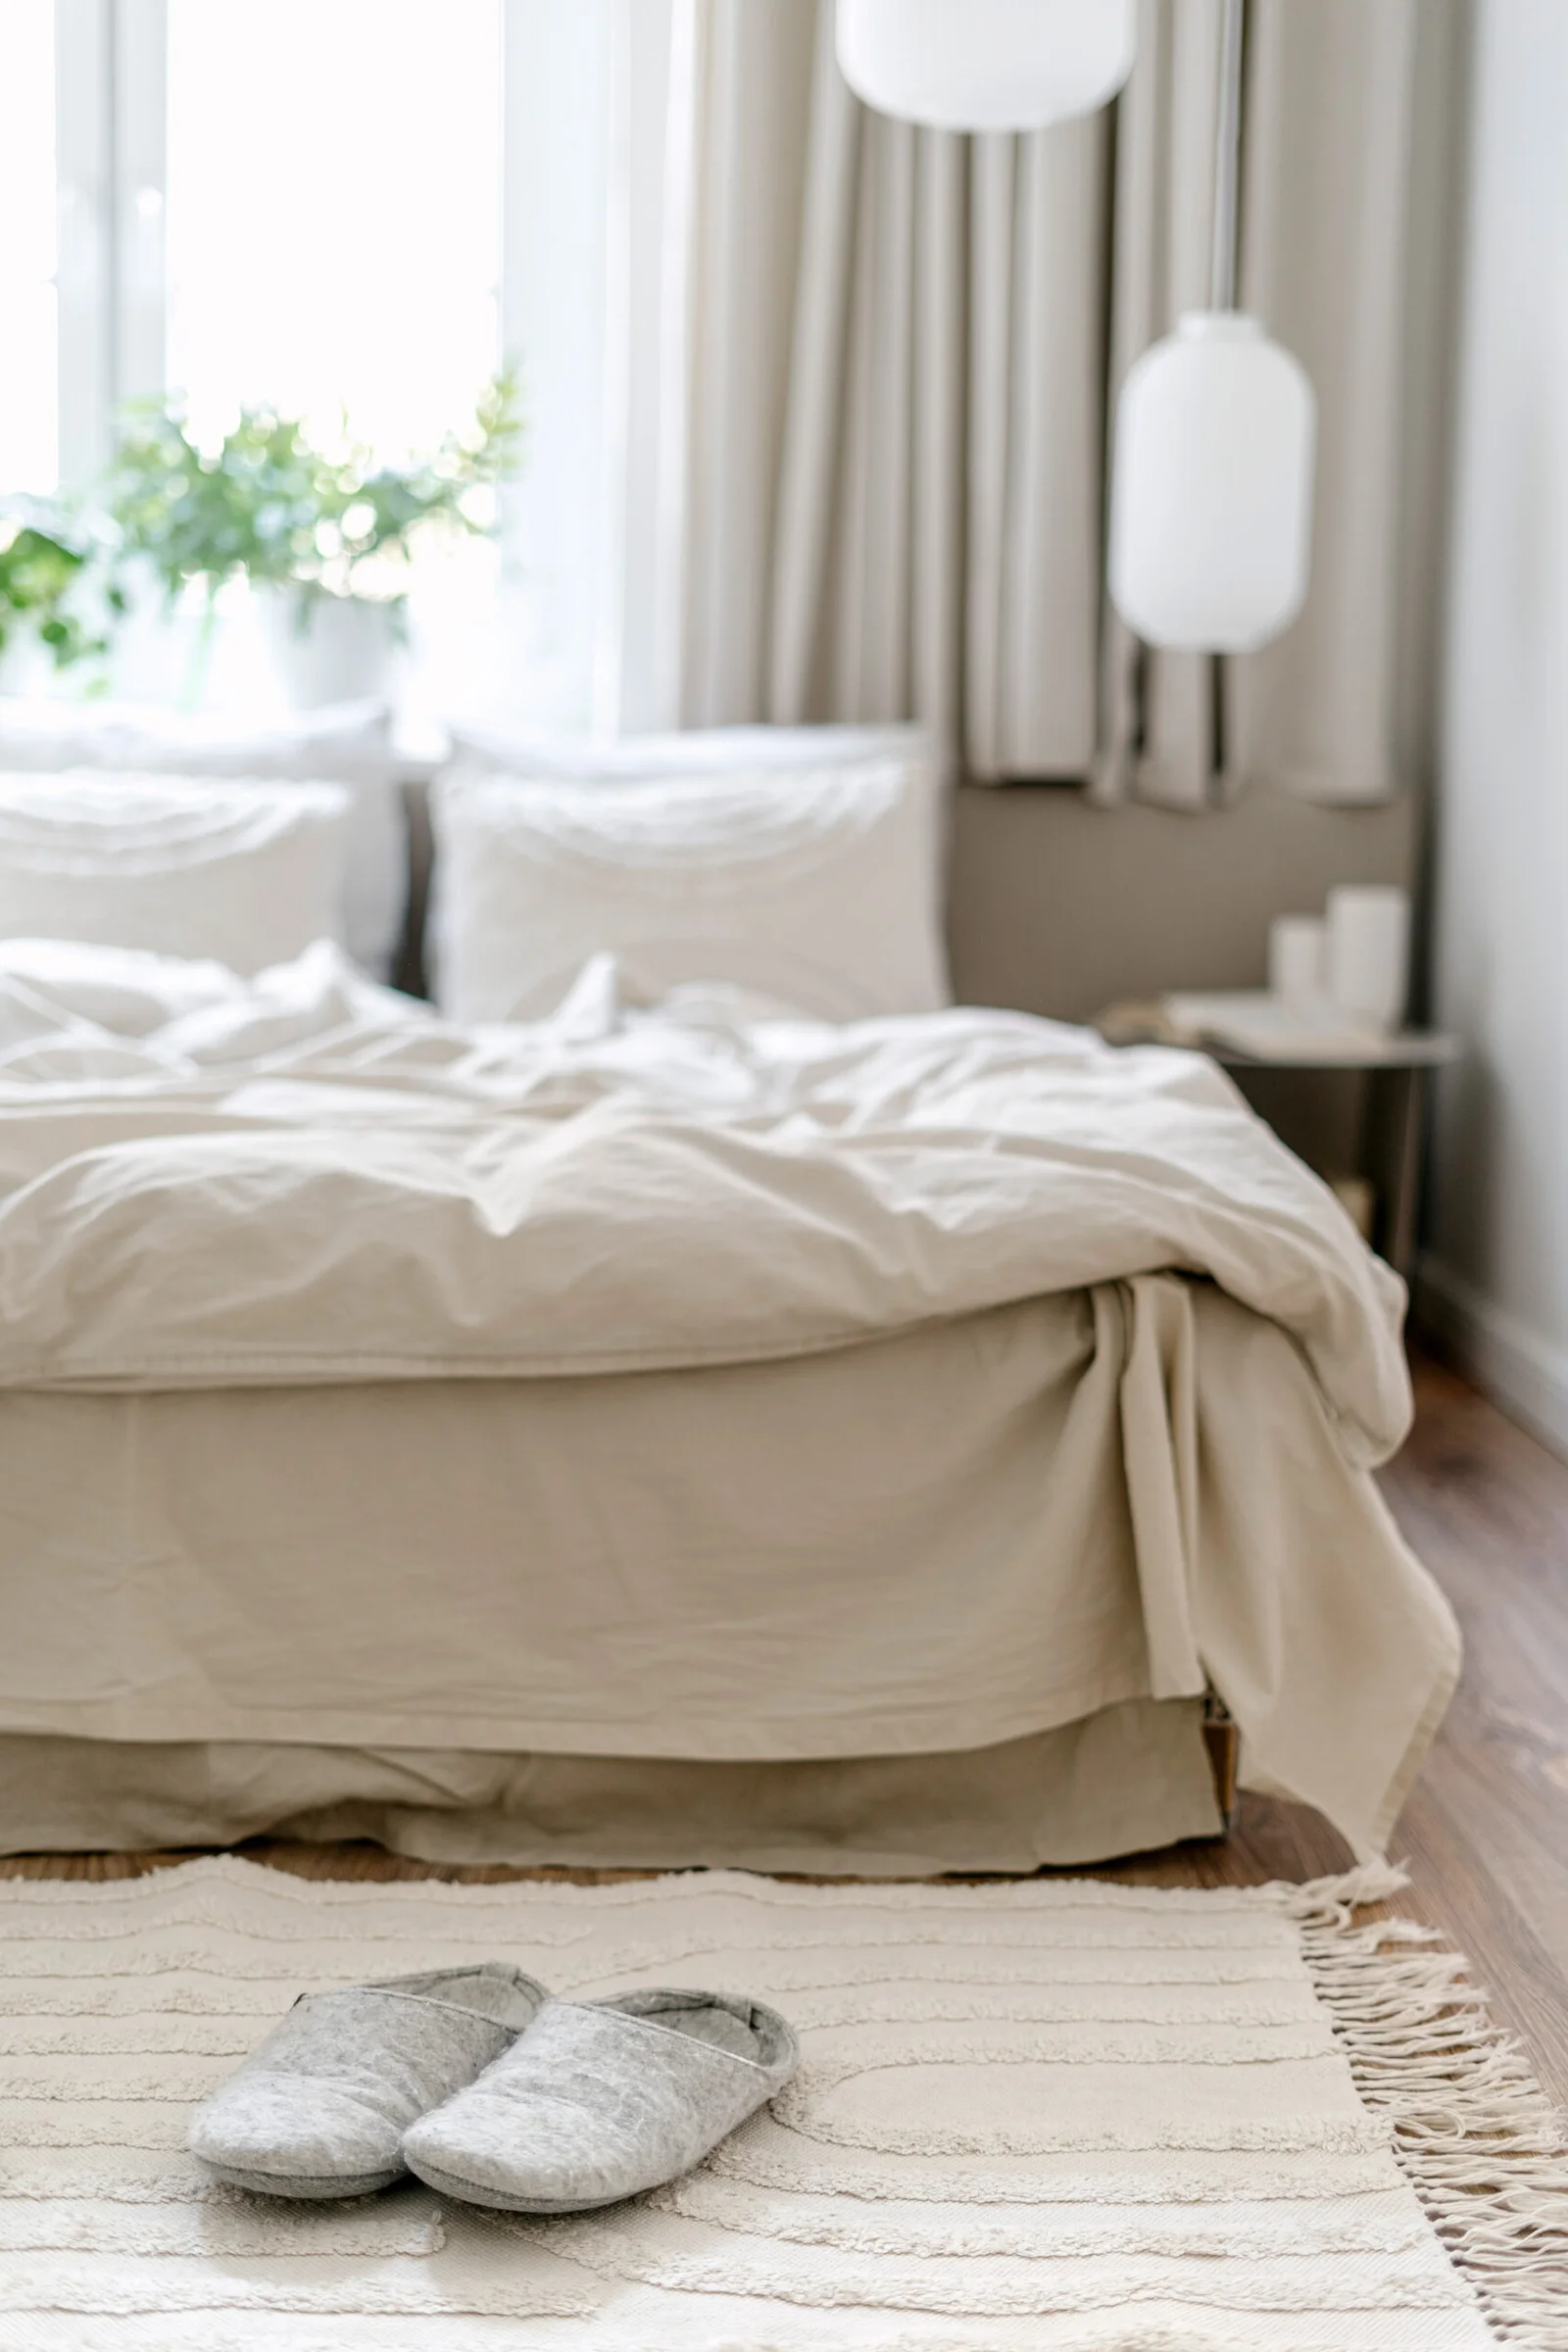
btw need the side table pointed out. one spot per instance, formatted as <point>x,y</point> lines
<point>1396,1074</point>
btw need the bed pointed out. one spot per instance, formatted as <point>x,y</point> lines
<point>673,1430</point>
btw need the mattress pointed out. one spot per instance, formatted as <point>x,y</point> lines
<point>967,1534</point>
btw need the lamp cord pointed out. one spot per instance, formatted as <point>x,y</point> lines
<point>1222,274</point>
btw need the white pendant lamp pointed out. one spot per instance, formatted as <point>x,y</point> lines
<point>986,65</point>
<point>1211,498</point>
<point>1212,490</point>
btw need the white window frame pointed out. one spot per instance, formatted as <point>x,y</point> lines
<point>600,511</point>
<point>110,113</point>
<point>555,306</point>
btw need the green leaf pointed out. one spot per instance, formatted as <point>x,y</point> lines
<point>270,506</point>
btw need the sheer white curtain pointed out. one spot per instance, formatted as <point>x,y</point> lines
<point>868,374</point>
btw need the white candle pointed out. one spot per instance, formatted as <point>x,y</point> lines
<point>1369,952</point>
<point>1297,959</point>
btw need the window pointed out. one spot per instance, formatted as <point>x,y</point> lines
<point>299,205</point>
<point>29,435</point>
<point>348,209</point>
<point>333,239</point>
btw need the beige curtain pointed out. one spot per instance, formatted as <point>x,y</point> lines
<point>895,400</point>
<point>897,354</point>
<point>1326,202</point>
<point>937,531</point>
<point>1328,228</point>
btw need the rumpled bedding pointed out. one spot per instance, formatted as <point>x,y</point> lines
<point>307,1177</point>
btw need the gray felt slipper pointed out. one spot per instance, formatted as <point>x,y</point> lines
<point>319,2109</point>
<point>599,2100</point>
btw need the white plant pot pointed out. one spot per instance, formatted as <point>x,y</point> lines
<point>25,669</point>
<point>331,649</point>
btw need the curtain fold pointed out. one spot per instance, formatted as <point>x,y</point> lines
<point>1326,233</point>
<point>889,369</point>
<point>938,522</point>
<point>1036,425</point>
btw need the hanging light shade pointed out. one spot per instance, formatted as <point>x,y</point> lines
<point>986,65</point>
<point>1211,497</point>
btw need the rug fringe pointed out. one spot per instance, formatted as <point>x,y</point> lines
<point>1330,1902</point>
<point>1480,2141</point>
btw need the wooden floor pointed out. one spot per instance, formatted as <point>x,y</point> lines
<point>1485,1831</point>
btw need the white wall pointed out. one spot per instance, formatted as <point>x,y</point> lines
<point>1496,1273</point>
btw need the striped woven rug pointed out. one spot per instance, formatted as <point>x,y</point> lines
<point>1060,2116</point>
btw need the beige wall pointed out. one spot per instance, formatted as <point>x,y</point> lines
<point>1061,907</point>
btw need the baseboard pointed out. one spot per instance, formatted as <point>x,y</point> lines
<point>1518,1367</point>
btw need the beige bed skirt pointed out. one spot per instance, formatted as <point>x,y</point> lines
<point>1132,1777</point>
<point>893,1600</point>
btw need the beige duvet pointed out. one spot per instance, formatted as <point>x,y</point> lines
<point>903,1436</point>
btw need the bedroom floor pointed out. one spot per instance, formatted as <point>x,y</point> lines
<point>1485,1831</point>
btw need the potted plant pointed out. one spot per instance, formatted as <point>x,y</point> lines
<point>51,579</point>
<point>327,530</point>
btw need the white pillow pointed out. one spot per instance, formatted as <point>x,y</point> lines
<point>349,742</point>
<point>247,875</point>
<point>815,886</point>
